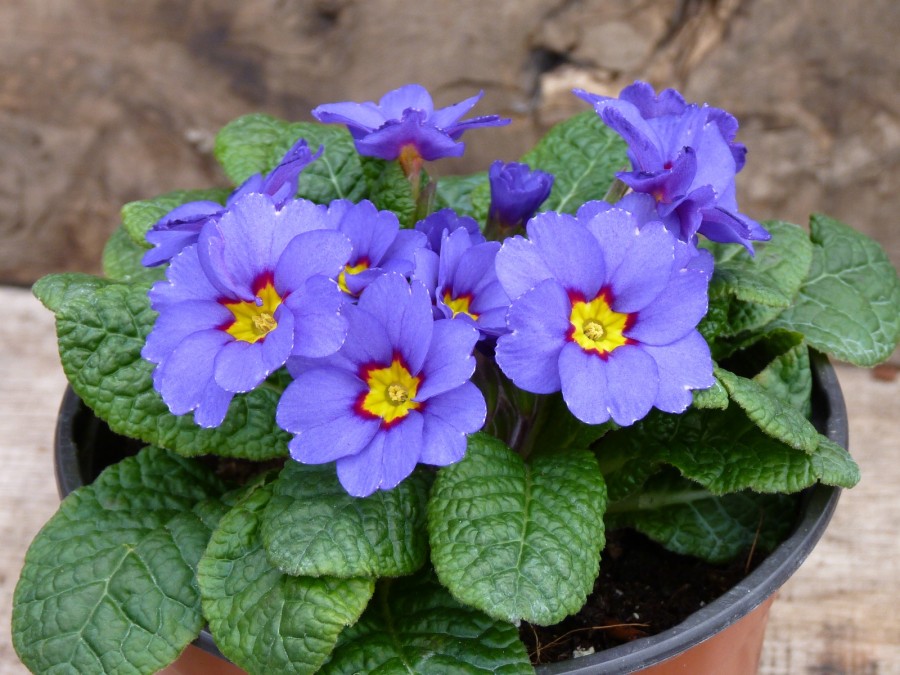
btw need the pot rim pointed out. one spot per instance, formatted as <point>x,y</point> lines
<point>817,508</point>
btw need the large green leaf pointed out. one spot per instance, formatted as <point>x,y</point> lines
<point>109,582</point>
<point>849,306</point>
<point>389,189</point>
<point>456,192</point>
<point>122,261</point>
<point>687,519</point>
<point>415,626</point>
<point>256,143</point>
<point>726,452</point>
<point>515,540</point>
<point>313,527</point>
<point>583,155</point>
<point>138,217</point>
<point>263,620</point>
<point>101,330</point>
<point>771,413</point>
<point>54,290</point>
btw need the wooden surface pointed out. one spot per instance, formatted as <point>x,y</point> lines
<point>837,616</point>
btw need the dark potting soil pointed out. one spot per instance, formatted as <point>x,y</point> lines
<point>642,590</point>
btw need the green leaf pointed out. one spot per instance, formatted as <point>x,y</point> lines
<point>687,519</point>
<point>313,527</point>
<point>456,192</point>
<point>263,620</point>
<point>257,143</point>
<point>122,261</point>
<point>109,583</point>
<point>849,306</point>
<point>772,414</point>
<point>788,375</point>
<point>583,155</point>
<point>518,541</point>
<point>101,331</point>
<point>389,189</point>
<point>413,625</point>
<point>759,288</point>
<point>54,290</point>
<point>724,451</point>
<point>557,429</point>
<point>138,217</point>
<point>834,465</point>
<point>253,144</point>
<point>716,397</point>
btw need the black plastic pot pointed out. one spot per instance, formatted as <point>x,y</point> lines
<point>84,446</point>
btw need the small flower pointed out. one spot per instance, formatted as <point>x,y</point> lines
<point>181,227</point>
<point>405,125</point>
<point>379,245</point>
<point>463,282</point>
<point>516,193</point>
<point>685,156</point>
<point>396,394</point>
<point>257,288</point>
<point>447,221</point>
<point>606,312</point>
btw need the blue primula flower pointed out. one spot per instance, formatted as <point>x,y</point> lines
<point>181,227</point>
<point>516,193</point>
<point>405,125</point>
<point>395,395</point>
<point>446,221</point>
<point>685,156</point>
<point>463,282</point>
<point>257,288</point>
<point>606,312</point>
<point>379,244</point>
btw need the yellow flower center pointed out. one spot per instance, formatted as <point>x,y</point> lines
<point>391,393</point>
<point>460,305</point>
<point>254,320</point>
<point>360,266</point>
<point>595,327</point>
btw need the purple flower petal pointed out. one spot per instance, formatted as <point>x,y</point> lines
<point>401,450</point>
<point>185,281</point>
<point>584,384</point>
<point>520,267</point>
<point>367,339</point>
<point>319,327</point>
<point>321,252</point>
<point>180,320</point>
<point>195,355</point>
<point>539,321</point>
<point>632,383</point>
<point>646,269</point>
<point>451,416</point>
<point>675,312</point>
<point>404,309</point>
<point>570,252</point>
<point>683,365</point>
<point>449,362</point>
<point>241,366</point>
<point>361,473</point>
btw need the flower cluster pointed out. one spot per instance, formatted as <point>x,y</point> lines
<point>378,324</point>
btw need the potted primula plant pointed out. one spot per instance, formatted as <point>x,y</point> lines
<point>384,422</point>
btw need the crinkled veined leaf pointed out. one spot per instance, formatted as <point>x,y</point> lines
<point>389,189</point>
<point>788,374</point>
<point>775,416</point>
<point>849,305</point>
<point>101,331</point>
<point>54,290</point>
<point>583,154</point>
<point>138,217</point>
<point>726,452</point>
<point>256,144</point>
<point>122,261</point>
<point>687,519</point>
<point>716,397</point>
<point>517,540</point>
<point>413,625</point>
<point>456,192</point>
<point>753,291</point>
<point>313,527</point>
<point>262,619</point>
<point>109,582</point>
<point>558,429</point>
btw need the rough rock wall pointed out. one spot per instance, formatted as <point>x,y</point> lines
<point>105,102</point>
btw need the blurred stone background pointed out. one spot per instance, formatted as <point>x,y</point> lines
<point>106,102</point>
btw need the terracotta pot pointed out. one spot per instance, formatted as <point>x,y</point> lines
<point>725,636</point>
